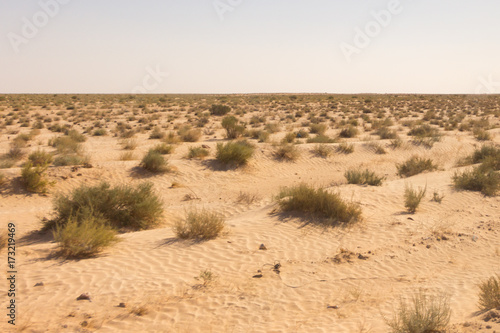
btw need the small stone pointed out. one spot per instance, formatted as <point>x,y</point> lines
<point>488,327</point>
<point>79,175</point>
<point>84,323</point>
<point>411,218</point>
<point>444,238</point>
<point>262,247</point>
<point>362,257</point>
<point>257,276</point>
<point>332,307</point>
<point>428,246</point>
<point>122,305</point>
<point>84,296</point>
<point>39,284</point>
<point>205,146</point>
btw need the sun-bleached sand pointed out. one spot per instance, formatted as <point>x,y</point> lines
<point>339,279</point>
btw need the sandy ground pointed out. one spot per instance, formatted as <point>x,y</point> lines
<point>329,280</point>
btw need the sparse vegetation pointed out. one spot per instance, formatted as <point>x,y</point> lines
<point>413,197</point>
<point>345,148</point>
<point>40,158</point>
<point>235,153</point>
<point>219,109</point>
<point>34,178</point>
<point>123,206</point>
<point>489,293</point>
<point>482,179</point>
<point>414,166</point>
<point>197,153</point>
<point>153,161</point>
<point>200,225</point>
<point>363,177</point>
<point>319,203</point>
<point>423,314</point>
<point>287,152</point>
<point>322,150</point>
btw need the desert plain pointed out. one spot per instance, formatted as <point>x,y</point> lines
<point>268,270</point>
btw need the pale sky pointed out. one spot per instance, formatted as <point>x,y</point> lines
<point>249,46</point>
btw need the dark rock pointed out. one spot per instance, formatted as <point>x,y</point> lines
<point>122,305</point>
<point>84,296</point>
<point>262,247</point>
<point>257,276</point>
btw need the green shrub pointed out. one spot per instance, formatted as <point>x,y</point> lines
<point>414,166</point>
<point>127,156</point>
<point>425,135</point>
<point>489,293</point>
<point>163,148</point>
<point>153,161</point>
<point>84,238</point>
<point>198,153</point>
<point>40,158</point>
<point>219,109</point>
<point>482,178</point>
<point>76,136</point>
<point>15,153</point>
<point>319,203</point>
<point>34,179</point>
<point>288,152</point>
<point>232,127</point>
<point>363,177</point>
<point>489,154</point>
<point>413,198</point>
<point>234,153</point>
<point>424,314</point>
<point>200,225</point>
<point>122,206</point>
<point>349,132</point>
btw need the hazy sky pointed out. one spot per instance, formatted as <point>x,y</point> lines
<point>249,46</point>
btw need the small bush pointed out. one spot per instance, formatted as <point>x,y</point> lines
<point>489,293</point>
<point>414,166</point>
<point>67,160</point>
<point>436,197</point>
<point>386,133</point>
<point>200,225</point>
<point>197,153</point>
<point>40,157</point>
<point>320,203</point>
<point>66,145</point>
<point>320,139</point>
<point>287,152</point>
<point>153,161</point>
<point>15,153</point>
<point>156,133</point>
<point>318,129</point>
<point>121,206</point>
<point>489,154</point>
<point>482,179</point>
<point>413,198</point>
<point>349,132</point>
<point>219,110</point>
<point>345,148</point>
<point>129,144</point>
<point>99,132</point>
<point>164,149</point>
<point>127,156</point>
<point>76,136</point>
<point>289,138</point>
<point>232,127</point>
<point>424,314</point>
<point>425,135</point>
<point>34,179</point>
<point>84,238</point>
<point>234,153</point>
<point>322,150</point>
<point>481,135</point>
<point>188,134</point>
<point>363,177</point>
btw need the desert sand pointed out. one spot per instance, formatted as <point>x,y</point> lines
<point>330,279</point>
